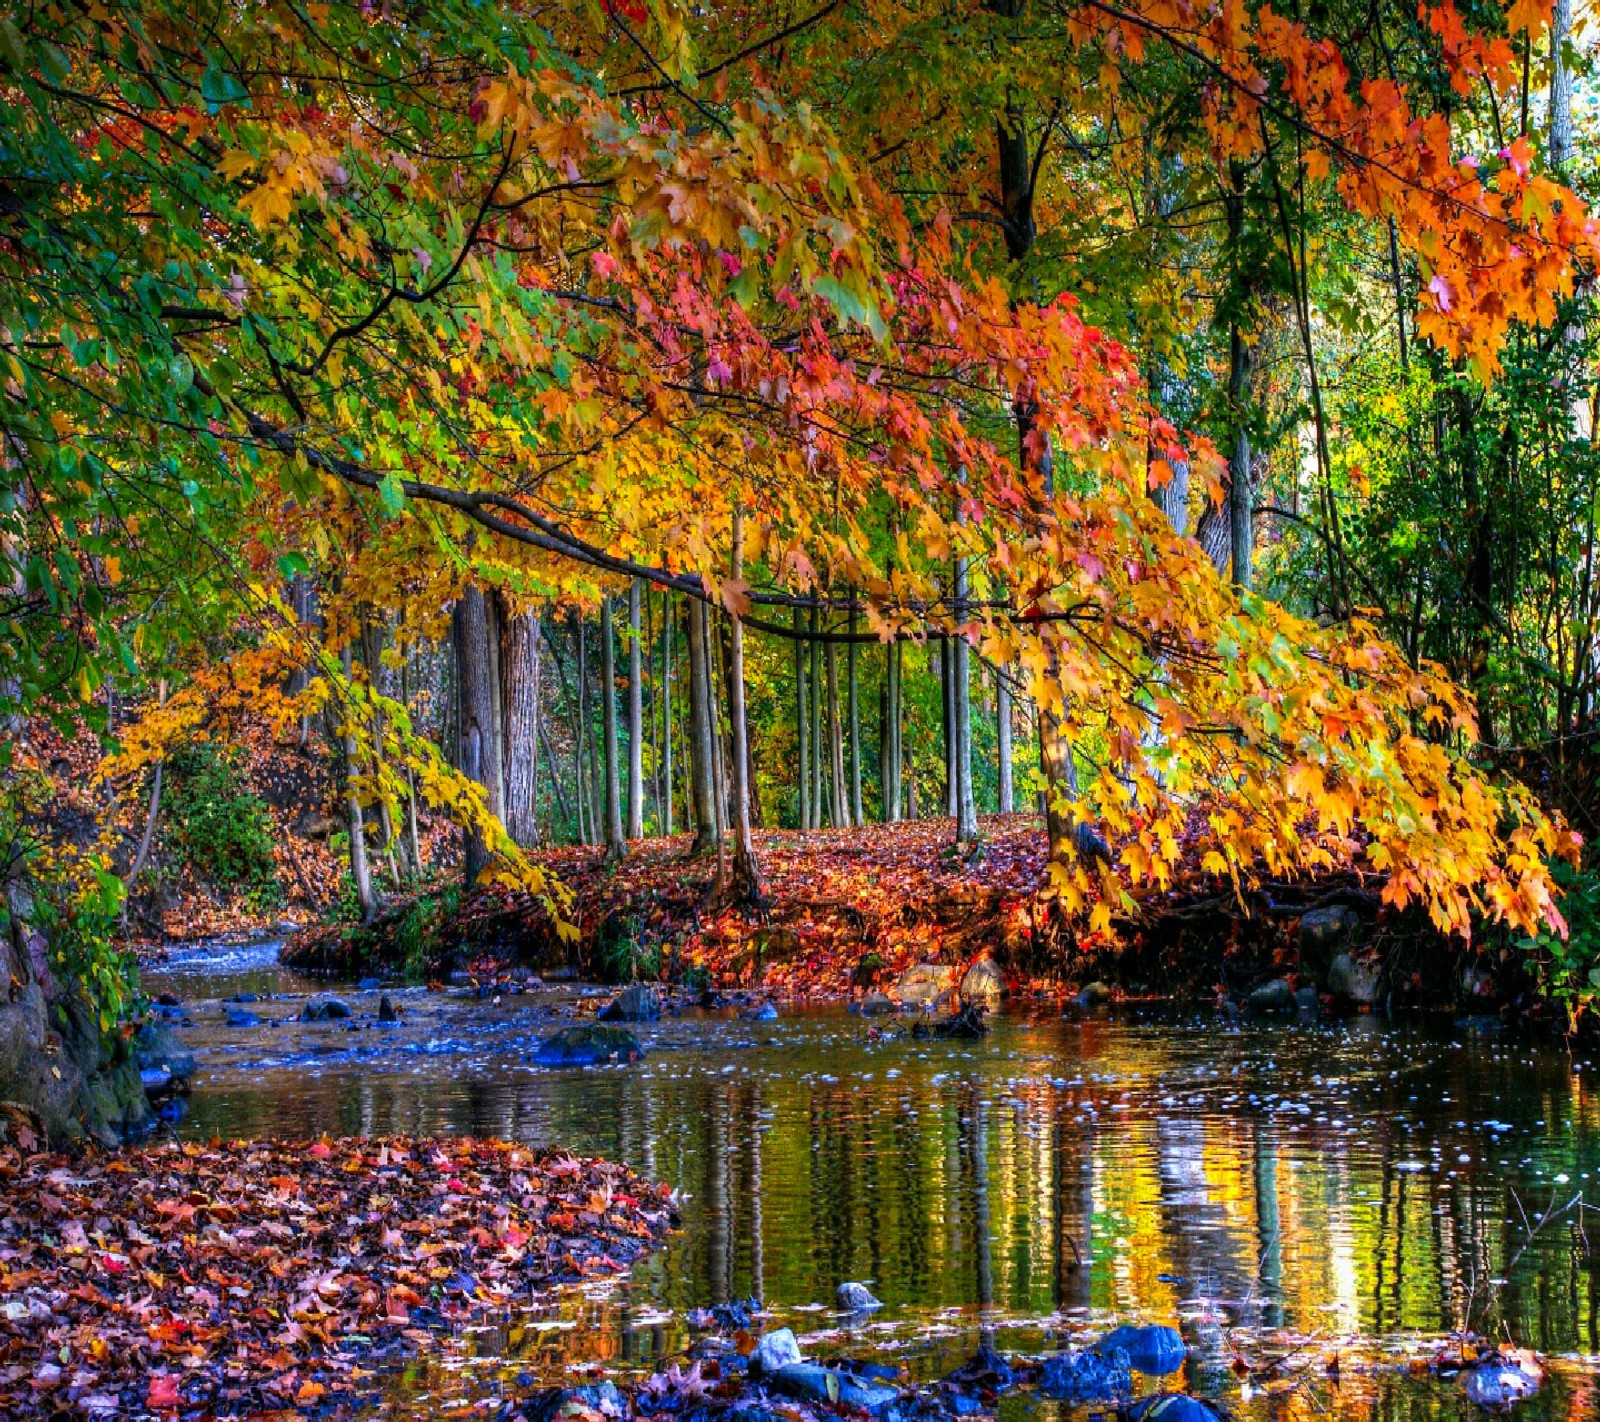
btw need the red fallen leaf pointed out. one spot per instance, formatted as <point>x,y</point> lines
<point>162,1395</point>
<point>1240,1367</point>
<point>320,1151</point>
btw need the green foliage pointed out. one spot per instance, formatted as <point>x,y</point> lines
<point>78,915</point>
<point>627,953</point>
<point>222,831</point>
<point>418,936</point>
<point>1568,970</point>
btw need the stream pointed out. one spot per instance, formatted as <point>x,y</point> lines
<point>1267,1189</point>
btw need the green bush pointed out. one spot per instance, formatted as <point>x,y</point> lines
<point>223,833</point>
<point>1568,969</point>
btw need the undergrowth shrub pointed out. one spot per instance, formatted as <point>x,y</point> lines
<point>222,832</point>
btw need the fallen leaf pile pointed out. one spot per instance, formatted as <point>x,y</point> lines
<point>262,1277</point>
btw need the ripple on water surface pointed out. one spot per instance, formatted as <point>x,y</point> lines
<point>1251,1185</point>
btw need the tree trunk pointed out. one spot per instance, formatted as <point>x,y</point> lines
<point>702,741</point>
<point>581,739</point>
<point>913,810</point>
<point>352,802</point>
<point>413,835</point>
<point>479,736</point>
<point>1002,736</point>
<point>747,885</point>
<point>635,716</point>
<point>838,804</point>
<point>952,774</point>
<point>520,639</point>
<point>616,845</point>
<point>890,770</point>
<point>1559,124</point>
<point>802,727</point>
<point>853,691</point>
<point>817,800</point>
<point>961,709</point>
<point>666,709</point>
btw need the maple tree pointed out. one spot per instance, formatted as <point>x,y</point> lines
<point>415,310</point>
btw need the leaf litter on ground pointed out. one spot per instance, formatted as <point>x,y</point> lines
<point>268,1277</point>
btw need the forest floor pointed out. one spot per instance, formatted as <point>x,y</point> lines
<point>262,1277</point>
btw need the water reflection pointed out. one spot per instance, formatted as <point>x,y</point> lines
<point>1051,1178</point>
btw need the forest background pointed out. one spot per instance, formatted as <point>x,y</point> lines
<point>434,439</point>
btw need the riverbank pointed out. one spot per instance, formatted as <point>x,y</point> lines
<point>254,1277</point>
<point>849,914</point>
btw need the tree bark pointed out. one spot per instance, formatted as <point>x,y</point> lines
<point>479,736</point>
<point>817,799</point>
<point>853,699</point>
<point>747,886</point>
<point>1002,737</point>
<point>520,669</point>
<point>893,673</point>
<point>838,805</point>
<point>616,845</point>
<point>802,731</point>
<point>581,740</point>
<point>702,741</point>
<point>952,773</point>
<point>359,871</point>
<point>961,705</point>
<point>1560,117</point>
<point>635,716</point>
<point>666,709</point>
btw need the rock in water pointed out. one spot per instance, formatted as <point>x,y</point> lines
<point>635,1003</point>
<point>1155,1350</point>
<point>238,1017</point>
<point>765,1012</point>
<point>1093,995</point>
<point>810,1382</point>
<point>1326,931</point>
<point>923,984</point>
<point>876,1004</point>
<point>587,1045</point>
<point>1097,1375</point>
<point>1271,998</point>
<point>967,1023</point>
<point>984,985</point>
<point>854,1298</point>
<point>582,1404</point>
<point>986,1370</point>
<point>328,1010</point>
<point>775,1351</point>
<point>156,1048</point>
<point>1175,1407</point>
<point>1355,981</point>
<point>1496,1382</point>
<point>387,1012</point>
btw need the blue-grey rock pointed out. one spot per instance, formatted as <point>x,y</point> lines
<point>775,1351</point>
<point>765,1012</point>
<point>330,1009</point>
<point>369,984</point>
<point>853,1298</point>
<point>1154,1350</point>
<point>1088,1376</point>
<point>238,1017</point>
<point>157,1081</point>
<point>877,1004</point>
<point>388,1014</point>
<point>635,1003</point>
<point>1494,1383</point>
<point>588,1044</point>
<point>810,1382</point>
<point>156,1046</point>
<point>1175,1407</point>
<point>1270,998</point>
<point>560,1402</point>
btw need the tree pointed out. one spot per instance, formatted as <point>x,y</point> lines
<point>635,715</point>
<point>520,636</point>
<point>615,844</point>
<point>479,732</point>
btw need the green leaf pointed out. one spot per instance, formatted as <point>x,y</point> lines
<point>292,564</point>
<point>218,87</point>
<point>392,495</point>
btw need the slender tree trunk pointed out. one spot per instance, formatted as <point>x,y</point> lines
<point>817,798</point>
<point>838,804</point>
<point>894,658</point>
<point>952,773</point>
<point>520,645</point>
<point>961,708</point>
<point>582,740</point>
<point>1002,736</point>
<point>635,716</point>
<point>480,737</point>
<point>702,740</point>
<point>666,708</point>
<point>885,752</point>
<point>719,778</point>
<point>913,810</point>
<point>747,885</point>
<point>352,801</point>
<point>616,845</point>
<point>802,725</point>
<point>1559,125</point>
<point>853,692</point>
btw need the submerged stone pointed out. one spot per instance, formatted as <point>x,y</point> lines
<point>238,1017</point>
<point>588,1044</point>
<point>984,984</point>
<point>388,1014</point>
<point>811,1382</point>
<point>1094,1375</point>
<point>1175,1407</point>
<point>775,1351</point>
<point>330,1009</point>
<point>1154,1350</point>
<point>923,984</point>
<point>853,1298</point>
<point>156,1047</point>
<point>1352,979</point>
<point>1496,1382</point>
<point>765,1012</point>
<point>876,1004</point>
<point>1271,997</point>
<point>635,1003</point>
<point>986,1370</point>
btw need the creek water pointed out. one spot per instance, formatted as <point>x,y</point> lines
<point>1361,1186</point>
